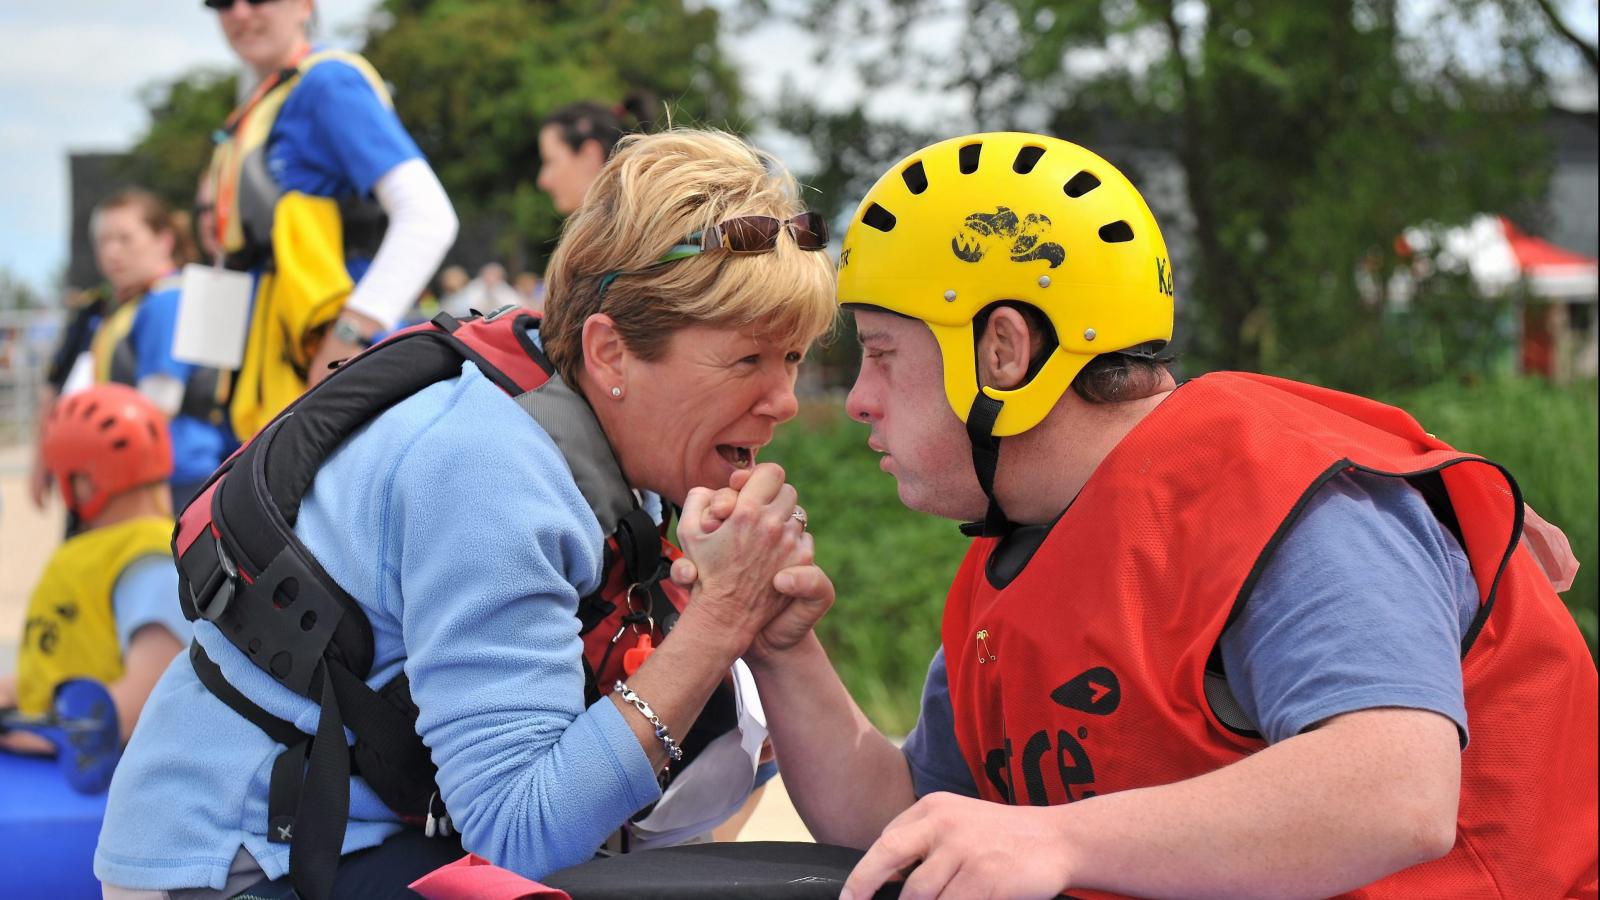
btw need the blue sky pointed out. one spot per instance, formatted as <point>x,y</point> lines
<point>71,78</point>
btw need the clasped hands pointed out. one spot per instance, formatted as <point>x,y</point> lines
<point>750,562</point>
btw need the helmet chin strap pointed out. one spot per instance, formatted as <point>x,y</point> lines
<point>985,458</point>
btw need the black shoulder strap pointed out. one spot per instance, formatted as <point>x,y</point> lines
<point>256,513</point>
<point>324,644</point>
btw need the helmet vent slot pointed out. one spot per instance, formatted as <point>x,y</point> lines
<point>119,444</point>
<point>1027,158</point>
<point>108,424</point>
<point>968,158</point>
<point>878,217</point>
<point>1116,233</point>
<point>1081,183</point>
<point>915,177</point>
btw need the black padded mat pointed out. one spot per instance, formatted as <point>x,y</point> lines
<point>766,869</point>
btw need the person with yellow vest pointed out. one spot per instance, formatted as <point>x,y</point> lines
<point>1236,637</point>
<point>139,243</point>
<point>106,606</point>
<point>303,173</point>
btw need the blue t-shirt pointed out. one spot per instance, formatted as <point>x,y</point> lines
<point>198,446</point>
<point>455,523</point>
<point>1364,604</point>
<point>334,137</point>
<point>146,593</point>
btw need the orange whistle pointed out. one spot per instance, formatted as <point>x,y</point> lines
<point>634,658</point>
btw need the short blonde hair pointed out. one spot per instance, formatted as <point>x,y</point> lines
<point>655,190</point>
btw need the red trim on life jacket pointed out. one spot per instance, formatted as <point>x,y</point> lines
<point>194,521</point>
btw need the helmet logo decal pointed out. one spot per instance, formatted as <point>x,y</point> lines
<point>844,257</point>
<point>1164,276</point>
<point>982,231</point>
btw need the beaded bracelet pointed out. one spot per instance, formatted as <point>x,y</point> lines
<point>674,752</point>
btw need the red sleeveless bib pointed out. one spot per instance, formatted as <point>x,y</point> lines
<point>1085,674</point>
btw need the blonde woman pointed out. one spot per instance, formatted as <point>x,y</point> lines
<point>682,301</point>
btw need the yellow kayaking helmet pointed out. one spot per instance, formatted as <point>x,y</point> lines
<point>969,222</point>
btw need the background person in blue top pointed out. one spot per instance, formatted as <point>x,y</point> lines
<point>318,127</point>
<point>139,244</point>
<point>688,365</point>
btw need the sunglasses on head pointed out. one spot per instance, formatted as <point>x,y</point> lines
<point>225,5</point>
<point>743,235</point>
<point>759,234</point>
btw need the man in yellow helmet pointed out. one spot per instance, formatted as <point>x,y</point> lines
<point>1217,639</point>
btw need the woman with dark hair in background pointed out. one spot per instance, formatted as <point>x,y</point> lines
<point>577,139</point>
<point>304,170</point>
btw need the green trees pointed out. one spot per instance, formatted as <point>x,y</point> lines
<point>1304,138</point>
<point>175,149</point>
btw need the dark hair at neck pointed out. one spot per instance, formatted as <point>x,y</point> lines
<point>579,123</point>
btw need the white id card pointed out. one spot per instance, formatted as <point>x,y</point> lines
<point>213,314</point>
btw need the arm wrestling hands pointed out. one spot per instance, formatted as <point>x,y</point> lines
<point>748,565</point>
<point>759,509</point>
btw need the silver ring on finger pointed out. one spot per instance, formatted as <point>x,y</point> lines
<point>799,515</point>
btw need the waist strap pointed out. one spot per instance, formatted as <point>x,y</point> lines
<point>308,800</point>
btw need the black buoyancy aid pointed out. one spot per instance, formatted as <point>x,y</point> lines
<point>204,391</point>
<point>256,190</point>
<point>242,568</point>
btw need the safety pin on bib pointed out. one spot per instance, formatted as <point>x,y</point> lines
<point>984,653</point>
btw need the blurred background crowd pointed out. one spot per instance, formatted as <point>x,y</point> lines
<point>1392,197</point>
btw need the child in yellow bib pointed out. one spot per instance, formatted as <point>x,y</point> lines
<point>106,606</point>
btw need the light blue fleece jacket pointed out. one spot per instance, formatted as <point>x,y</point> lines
<point>455,523</point>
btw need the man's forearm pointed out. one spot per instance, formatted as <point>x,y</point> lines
<point>1368,794</point>
<point>846,779</point>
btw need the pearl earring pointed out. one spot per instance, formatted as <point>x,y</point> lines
<point>616,393</point>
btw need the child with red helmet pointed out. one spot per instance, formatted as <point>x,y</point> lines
<point>106,606</point>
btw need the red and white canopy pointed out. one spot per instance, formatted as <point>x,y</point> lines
<point>1500,256</point>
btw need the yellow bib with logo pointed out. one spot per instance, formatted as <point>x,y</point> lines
<point>70,631</point>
